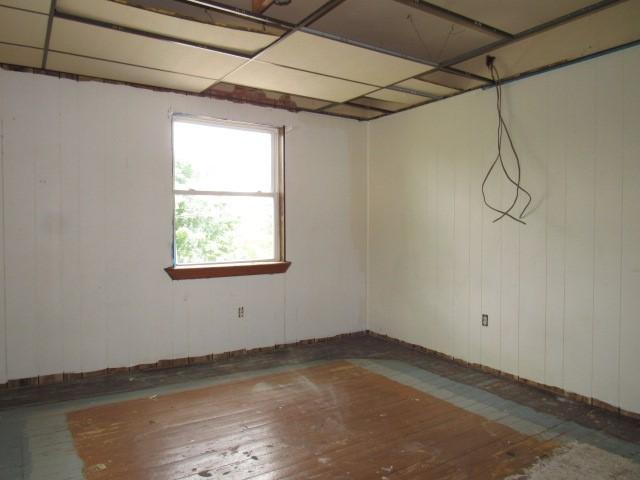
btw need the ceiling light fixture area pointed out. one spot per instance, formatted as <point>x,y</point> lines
<point>259,6</point>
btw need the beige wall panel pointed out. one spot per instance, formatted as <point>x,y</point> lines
<point>111,12</point>
<point>34,5</point>
<point>106,44</point>
<point>22,28</point>
<point>272,77</point>
<point>15,55</point>
<point>593,33</point>
<point>513,16</point>
<point>87,195</point>
<point>125,73</point>
<point>562,291</point>
<point>399,97</point>
<point>426,87</point>
<point>329,57</point>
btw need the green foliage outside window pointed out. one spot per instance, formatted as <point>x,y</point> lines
<point>204,229</point>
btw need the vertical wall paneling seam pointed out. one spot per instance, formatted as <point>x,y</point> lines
<point>36,294</point>
<point>501,289</point>
<point>282,176</point>
<point>469,310</point>
<point>367,174</point>
<point>452,319</point>
<point>564,253</point>
<point>546,283</point>
<point>517,321</point>
<point>60,173</point>
<point>593,239</point>
<point>620,297</point>
<point>4,256</point>
<point>482,218</point>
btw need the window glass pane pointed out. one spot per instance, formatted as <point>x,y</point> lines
<point>223,229</point>
<point>216,158</point>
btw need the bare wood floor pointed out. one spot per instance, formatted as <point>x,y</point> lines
<point>36,442</point>
<point>332,421</point>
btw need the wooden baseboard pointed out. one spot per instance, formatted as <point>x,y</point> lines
<point>69,377</point>
<point>540,386</point>
<point>214,357</point>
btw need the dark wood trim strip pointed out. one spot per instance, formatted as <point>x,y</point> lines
<point>594,402</point>
<point>180,362</point>
<point>193,272</point>
<point>211,358</point>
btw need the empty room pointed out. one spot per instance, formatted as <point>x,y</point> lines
<point>319,239</point>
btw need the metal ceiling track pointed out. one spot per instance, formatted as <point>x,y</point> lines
<point>47,38</point>
<point>305,26</point>
<point>545,26</point>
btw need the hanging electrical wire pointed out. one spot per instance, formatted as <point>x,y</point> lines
<point>504,129</point>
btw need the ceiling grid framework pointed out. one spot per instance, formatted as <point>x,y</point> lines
<point>359,59</point>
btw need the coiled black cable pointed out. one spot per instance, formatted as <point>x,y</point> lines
<point>503,128</point>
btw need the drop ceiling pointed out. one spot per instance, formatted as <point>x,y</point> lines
<point>359,59</point>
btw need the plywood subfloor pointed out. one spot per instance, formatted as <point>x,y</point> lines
<point>335,420</point>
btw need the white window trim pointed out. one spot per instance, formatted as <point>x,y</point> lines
<point>277,193</point>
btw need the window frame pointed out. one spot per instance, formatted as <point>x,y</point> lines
<point>277,264</point>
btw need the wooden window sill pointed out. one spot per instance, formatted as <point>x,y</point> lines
<point>191,272</point>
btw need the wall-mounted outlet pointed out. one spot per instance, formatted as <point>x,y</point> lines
<point>240,312</point>
<point>485,320</point>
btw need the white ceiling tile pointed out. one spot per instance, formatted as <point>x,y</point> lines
<point>329,57</point>
<point>127,73</point>
<point>22,28</point>
<point>16,55</point>
<point>171,26</point>
<point>42,6</point>
<point>593,33</point>
<point>398,97</point>
<point>281,79</point>
<point>108,44</point>
<point>427,87</point>
<point>452,80</point>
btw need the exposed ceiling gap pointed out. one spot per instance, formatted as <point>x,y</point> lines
<point>259,6</point>
<point>366,107</point>
<point>532,31</point>
<point>462,73</point>
<point>454,17</point>
<point>539,71</point>
<point>45,54</point>
<point>413,92</point>
<point>356,43</point>
<point>320,12</point>
<point>238,12</point>
<point>142,33</point>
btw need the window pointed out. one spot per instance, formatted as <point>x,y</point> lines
<point>228,198</point>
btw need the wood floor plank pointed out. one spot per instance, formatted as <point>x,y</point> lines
<point>334,420</point>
